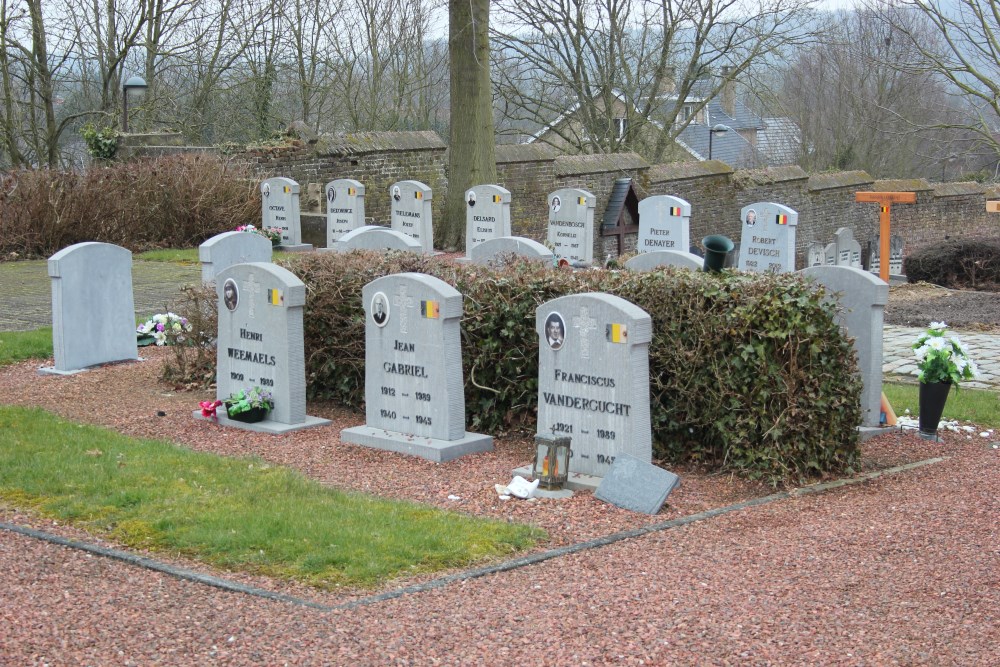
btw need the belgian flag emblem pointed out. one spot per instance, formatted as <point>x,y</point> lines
<point>417,194</point>
<point>351,192</point>
<point>430,309</point>
<point>616,333</point>
<point>582,201</point>
<point>497,199</point>
<point>287,189</point>
<point>781,219</point>
<point>275,297</point>
<point>675,210</point>
<point>883,209</point>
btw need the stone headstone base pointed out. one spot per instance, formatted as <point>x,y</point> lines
<point>52,370</point>
<point>576,481</point>
<point>431,449</point>
<point>552,494</point>
<point>867,432</point>
<point>266,426</point>
<point>301,247</point>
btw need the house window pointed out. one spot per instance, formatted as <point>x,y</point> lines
<point>686,112</point>
<point>621,127</point>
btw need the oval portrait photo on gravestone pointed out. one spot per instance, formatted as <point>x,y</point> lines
<point>380,308</point>
<point>231,294</point>
<point>556,204</point>
<point>751,218</point>
<point>555,331</point>
<point>331,194</point>
<point>396,193</point>
<point>472,198</point>
<point>265,189</point>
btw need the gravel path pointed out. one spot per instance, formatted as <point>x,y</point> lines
<point>900,570</point>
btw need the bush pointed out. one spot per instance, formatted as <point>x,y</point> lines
<point>972,263</point>
<point>747,372</point>
<point>176,201</point>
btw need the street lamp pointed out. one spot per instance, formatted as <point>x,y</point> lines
<point>138,84</point>
<point>718,129</point>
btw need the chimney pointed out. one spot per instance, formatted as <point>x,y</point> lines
<point>668,81</point>
<point>727,96</point>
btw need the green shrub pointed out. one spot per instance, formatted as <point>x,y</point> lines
<point>175,201</point>
<point>747,373</point>
<point>101,144</point>
<point>972,263</point>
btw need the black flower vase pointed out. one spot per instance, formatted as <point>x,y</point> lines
<point>251,416</point>
<point>933,396</point>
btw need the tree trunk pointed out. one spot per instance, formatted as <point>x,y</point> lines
<point>471,149</point>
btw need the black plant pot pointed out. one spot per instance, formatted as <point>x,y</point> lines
<point>933,396</point>
<point>250,416</point>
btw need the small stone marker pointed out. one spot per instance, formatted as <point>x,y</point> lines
<point>650,261</point>
<point>487,215</point>
<point>261,343</point>
<point>510,245</point>
<point>571,225</point>
<point>895,256</point>
<point>410,203</point>
<point>817,254</point>
<point>414,393</point>
<point>861,299</point>
<point>345,208</point>
<point>280,208</point>
<point>636,485</point>
<point>767,242</point>
<point>664,224</point>
<point>93,309</point>
<point>228,248</point>
<point>373,237</point>
<point>593,383</point>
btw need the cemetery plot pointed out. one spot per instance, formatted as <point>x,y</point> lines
<point>664,224</point>
<point>410,204</point>
<point>571,225</point>
<point>280,208</point>
<point>767,240</point>
<point>487,215</point>
<point>228,248</point>
<point>345,208</point>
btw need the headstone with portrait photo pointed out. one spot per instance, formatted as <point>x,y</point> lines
<point>414,390</point>
<point>487,215</point>
<point>571,225</point>
<point>411,212</point>
<point>767,241</point>
<point>593,382</point>
<point>664,224</point>
<point>223,250</point>
<point>280,208</point>
<point>260,344</point>
<point>93,308</point>
<point>345,208</point>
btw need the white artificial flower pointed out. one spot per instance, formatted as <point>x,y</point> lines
<point>938,326</point>
<point>921,352</point>
<point>160,337</point>
<point>936,344</point>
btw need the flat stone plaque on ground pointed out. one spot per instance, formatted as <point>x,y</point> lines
<point>518,246</point>
<point>650,261</point>
<point>861,301</point>
<point>767,242</point>
<point>593,384</point>
<point>410,203</point>
<point>487,215</point>
<point>664,224</point>
<point>373,237</point>
<point>571,225</point>
<point>345,208</point>
<point>93,310</point>
<point>635,485</point>
<point>414,392</point>
<point>280,208</point>
<point>223,250</point>
<point>260,343</point>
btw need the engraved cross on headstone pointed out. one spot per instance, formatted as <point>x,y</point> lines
<point>404,301</point>
<point>253,287</point>
<point>584,324</point>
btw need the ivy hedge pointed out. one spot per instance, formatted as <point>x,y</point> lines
<point>748,373</point>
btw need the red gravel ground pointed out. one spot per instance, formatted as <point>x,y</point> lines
<point>899,570</point>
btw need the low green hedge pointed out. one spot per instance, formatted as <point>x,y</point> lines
<point>747,372</point>
<point>972,263</point>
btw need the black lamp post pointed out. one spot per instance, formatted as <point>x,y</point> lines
<point>717,129</point>
<point>138,84</point>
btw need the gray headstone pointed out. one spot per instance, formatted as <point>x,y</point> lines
<point>830,254</point>
<point>373,237</point>
<point>93,311</point>
<point>345,208</point>
<point>635,485</point>
<point>767,242</point>
<point>848,251</point>
<point>228,248</point>
<point>817,254</point>
<point>410,203</point>
<point>895,255</point>
<point>261,343</point>
<point>414,392</point>
<point>664,224</point>
<point>862,298</point>
<point>593,383</point>
<point>280,208</point>
<point>571,225</point>
<point>510,245</point>
<point>649,261</point>
<point>487,215</point>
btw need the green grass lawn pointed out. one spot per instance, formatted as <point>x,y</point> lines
<point>20,345</point>
<point>974,405</point>
<point>177,255</point>
<point>236,513</point>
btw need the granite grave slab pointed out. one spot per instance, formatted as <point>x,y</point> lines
<point>571,225</point>
<point>228,248</point>
<point>345,208</point>
<point>636,485</point>
<point>664,224</point>
<point>487,215</point>
<point>520,246</point>
<point>280,208</point>
<point>411,212</point>
<point>767,240</point>
<point>650,261</point>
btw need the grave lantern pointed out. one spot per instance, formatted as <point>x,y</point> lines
<point>551,467</point>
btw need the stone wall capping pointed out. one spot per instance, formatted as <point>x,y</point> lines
<point>958,189</point>
<point>679,171</point>
<point>577,165</point>
<point>856,180</point>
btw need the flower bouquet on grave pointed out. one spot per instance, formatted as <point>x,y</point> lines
<point>943,361</point>
<point>249,405</point>
<point>162,329</point>
<point>273,234</point>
